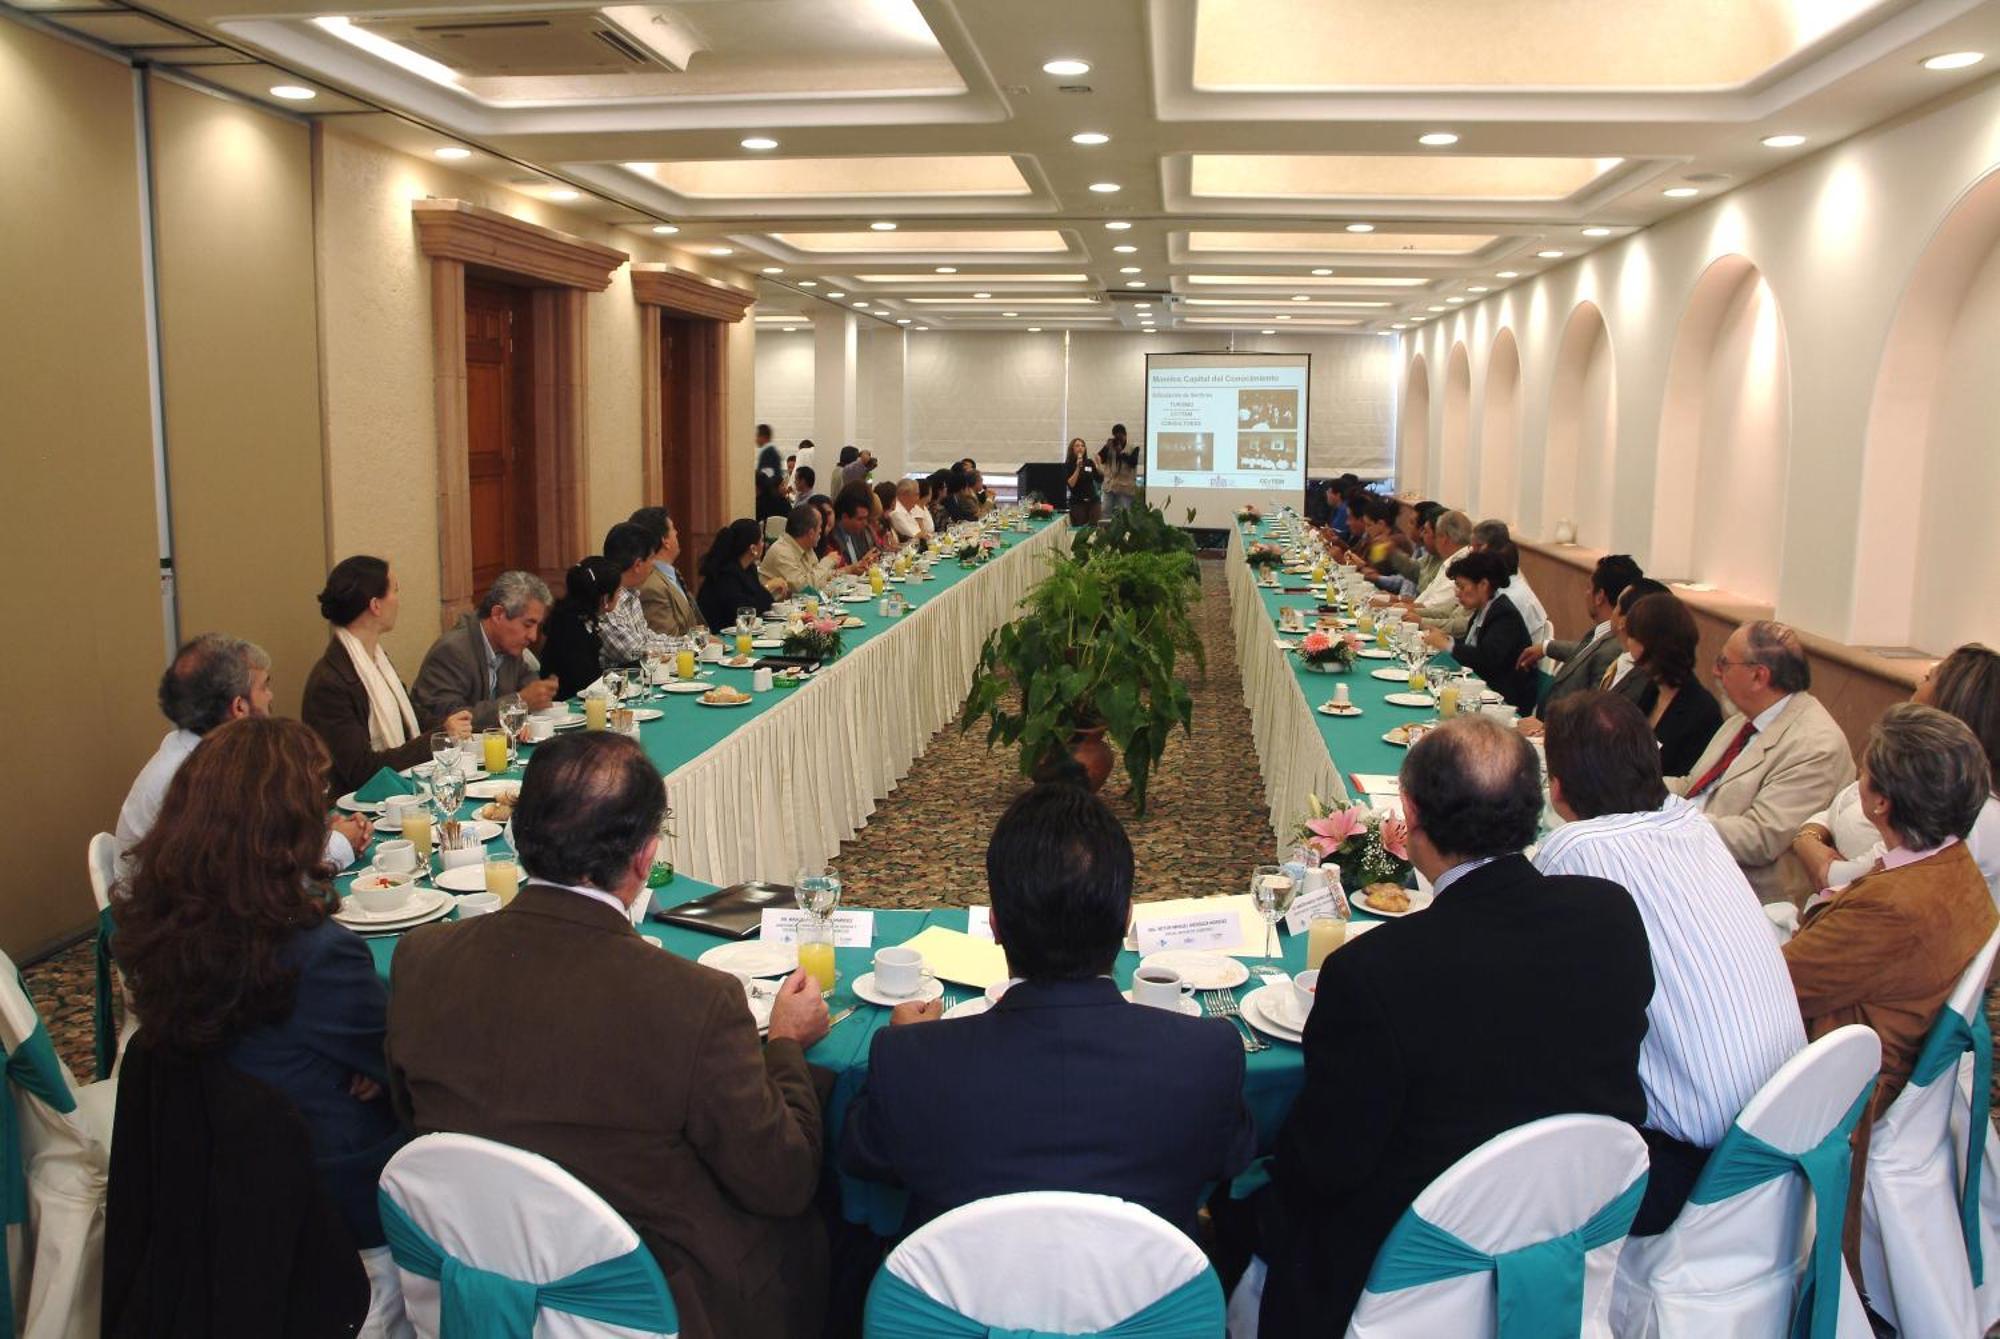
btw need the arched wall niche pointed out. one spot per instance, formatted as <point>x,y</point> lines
<point>1500,430</point>
<point>1582,437</point>
<point>1725,438</point>
<point>1413,435</point>
<point>1454,472</point>
<point>1930,479</point>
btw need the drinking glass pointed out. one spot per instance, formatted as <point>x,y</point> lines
<point>1271,890</point>
<point>513,715</point>
<point>818,893</point>
<point>447,791</point>
<point>614,684</point>
<point>444,752</point>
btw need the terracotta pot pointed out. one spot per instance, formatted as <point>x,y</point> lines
<point>1087,746</point>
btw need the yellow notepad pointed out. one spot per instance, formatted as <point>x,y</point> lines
<point>956,956</point>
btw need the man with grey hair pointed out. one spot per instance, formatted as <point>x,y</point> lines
<point>486,657</point>
<point>1773,764</point>
<point>213,679</point>
<point>1437,603</point>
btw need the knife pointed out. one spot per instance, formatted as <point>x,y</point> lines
<point>839,1018</point>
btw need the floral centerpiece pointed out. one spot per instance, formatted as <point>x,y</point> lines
<point>974,551</point>
<point>817,640</point>
<point>1041,510</point>
<point>1265,555</point>
<point>1328,652</point>
<point>1366,846</point>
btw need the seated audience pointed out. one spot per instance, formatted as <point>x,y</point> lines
<point>803,481</point>
<point>905,504</point>
<point>353,697</point>
<point>570,648</point>
<point>1889,949</point>
<point>1494,535</point>
<point>1436,604</point>
<point>1838,845</point>
<point>922,510</point>
<point>227,949</point>
<point>1776,762</point>
<point>1059,1086</point>
<point>1584,661</point>
<point>1624,677</point>
<point>637,1071</point>
<point>886,536</point>
<point>961,503</point>
<point>486,657</point>
<point>790,558</point>
<point>1494,639</point>
<point>1662,640</point>
<point>853,529</point>
<point>622,632</point>
<point>729,575</point>
<point>1723,1017</point>
<point>663,597</point>
<point>1514,996</point>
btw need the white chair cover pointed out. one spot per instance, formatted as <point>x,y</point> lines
<point>1532,1184</point>
<point>509,1212</point>
<point>1987,1294</point>
<point>1047,1261</point>
<point>1914,1266</point>
<point>107,858</point>
<point>1731,1269</point>
<point>386,1318</point>
<point>57,1260</point>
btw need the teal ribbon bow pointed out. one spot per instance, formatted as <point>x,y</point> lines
<point>386,782</point>
<point>1743,1162</point>
<point>1540,1286</point>
<point>104,1038</point>
<point>33,1068</point>
<point>897,1310</point>
<point>628,1290</point>
<point>1951,1037</point>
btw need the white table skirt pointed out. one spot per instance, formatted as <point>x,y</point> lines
<point>1290,747</point>
<point>787,788</point>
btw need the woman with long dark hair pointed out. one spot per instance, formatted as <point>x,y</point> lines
<point>571,649</point>
<point>729,575</point>
<point>1662,638</point>
<point>1080,472</point>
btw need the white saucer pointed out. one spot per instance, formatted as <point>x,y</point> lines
<point>491,790</point>
<point>1329,709</point>
<point>738,662</point>
<point>421,905</point>
<point>1185,1007</point>
<point>354,806</point>
<point>1258,1011</point>
<point>739,702</point>
<point>463,879</point>
<point>1409,700</point>
<point>690,686</point>
<point>1372,652</point>
<point>1389,675</point>
<point>864,987</point>
<point>752,957</point>
<point>646,713</point>
<point>971,1008</point>
<point>1204,971</point>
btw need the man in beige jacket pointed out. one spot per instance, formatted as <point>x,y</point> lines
<point>1775,762</point>
<point>790,559</point>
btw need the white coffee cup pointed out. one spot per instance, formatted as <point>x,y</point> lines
<point>760,680</point>
<point>1160,987</point>
<point>899,971</point>
<point>399,807</point>
<point>396,859</point>
<point>711,652</point>
<point>999,988</point>
<point>540,728</point>
<point>1303,987</point>
<point>1340,698</point>
<point>477,904</point>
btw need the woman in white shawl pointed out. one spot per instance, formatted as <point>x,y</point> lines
<point>354,698</point>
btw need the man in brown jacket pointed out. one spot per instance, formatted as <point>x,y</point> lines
<point>554,1027</point>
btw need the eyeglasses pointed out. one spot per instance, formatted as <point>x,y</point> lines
<point>1724,662</point>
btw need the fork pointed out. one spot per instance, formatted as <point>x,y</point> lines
<point>1222,1004</point>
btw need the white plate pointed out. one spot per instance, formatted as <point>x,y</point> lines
<point>421,904</point>
<point>1409,700</point>
<point>852,622</point>
<point>1373,653</point>
<point>646,713</point>
<point>1391,740</point>
<point>1328,709</point>
<point>1205,971</point>
<point>738,662</point>
<point>1258,1013</point>
<point>752,957</point>
<point>864,987</point>
<point>354,806</point>
<point>856,599</point>
<point>1185,1007</point>
<point>423,769</point>
<point>463,879</point>
<point>1390,675</point>
<point>694,686</point>
<point>567,721</point>
<point>1418,901</point>
<point>491,790</point>
<point>971,1008</point>
<point>768,643</point>
<point>740,702</point>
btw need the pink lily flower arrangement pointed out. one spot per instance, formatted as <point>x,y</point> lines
<point>1366,846</point>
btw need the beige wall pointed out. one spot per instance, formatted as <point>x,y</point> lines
<point>82,601</point>
<point>239,361</point>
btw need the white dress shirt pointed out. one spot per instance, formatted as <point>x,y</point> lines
<point>1442,593</point>
<point>142,803</point>
<point>1860,845</point>
<point>904,524</point>
<point>1723,1015</point>
<point>1532,613</point>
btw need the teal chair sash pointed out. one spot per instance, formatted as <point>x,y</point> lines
<point>105,1039</point>
<point>33,1068</point>
<point>896,1310</point>
<point>1540,1286</point>
<point>1743,1162</point>
<point>1951,1037</point>
<point>479,1304</point>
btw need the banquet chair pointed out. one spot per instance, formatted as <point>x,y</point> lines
<point>59,1148</point>
<point>1044,1262</point>
<point>107,858</point>
<point>1743,1256</point>
<point>774,528</point>
<point>1923,1263</point>
<point>498,1242</point>
<point>1518,1239</point>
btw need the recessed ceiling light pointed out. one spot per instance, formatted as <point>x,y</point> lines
<point>902,320</point>
<point>923,327</point>
<point>1136,283</point>
<point>1951,60</point>
<point>1143,306</point>
<point>451,153</point>
<point>1104,187</point>
<point>1286,317</point>
<point>946,269</point>
<point>883,225</point>
<point>1437,309</point>
<point>1478,288</point>
<point>1322,273</point>
<point>1361,227</point>
<point>1067,66</point>
<point>1301,297</point>
<point>808,283</point>
<point>1782,141</point>
<point>1124,248</point>
<point>1128,269</point>
<point>293,92</point>
<point>774,269</point>
<point>1550,255</point>
<point>791,330</point>
<point>721,251</point>
<point>1090,137</point>
<point>565,193</point>
<point>1508,274</point>
<point>760,143</point>
<point>836,295</point>
<point>1399,326</point>
<point>1597,232</point>
<point>1680,192</point>
<point>1010,313</point>
<point>861,306</point>
<point>1034,330</point>
<point>1267,332</point>
<point>1454,301</point>
<point>665,229</point>
<point>1437,139</point>
<point>1117,225</point>
<point>982,295</point>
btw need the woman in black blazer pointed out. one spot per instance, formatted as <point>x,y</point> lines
<point>729,578</point>
<point>1492,646</point>
<point>570,646</point>
<point>1662,637</point>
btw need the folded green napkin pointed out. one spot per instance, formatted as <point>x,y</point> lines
<point>383,784</point>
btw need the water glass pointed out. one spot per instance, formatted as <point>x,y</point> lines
<point>444,752</point>
<point>818,892</point>
<point>1271,891</point>
<point>447,791</point>
<point>513,715</point>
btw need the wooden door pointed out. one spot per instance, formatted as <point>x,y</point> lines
<point>692,372</point>
<point>500,437</point>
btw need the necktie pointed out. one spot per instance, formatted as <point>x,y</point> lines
<point>1610,676</point>
<point>1714,774</point>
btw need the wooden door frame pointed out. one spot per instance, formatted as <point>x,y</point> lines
<point>662,288</point>
<point>562,270</point>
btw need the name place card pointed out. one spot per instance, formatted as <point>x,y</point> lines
<point>1214,929</point>
<point>851,929</point>
<point>1318,902</point>
<point>979,922</point>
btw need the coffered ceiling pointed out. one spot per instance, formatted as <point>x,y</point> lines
<point>953,164</point>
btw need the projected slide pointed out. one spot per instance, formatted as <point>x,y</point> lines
<point>1226,429</point>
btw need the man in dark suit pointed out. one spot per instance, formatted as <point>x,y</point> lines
<point>1062,1085</point>
<point>552,1026</point>
<point>486,657</point>
<point>1513,997</point>
<point>1581,664</point>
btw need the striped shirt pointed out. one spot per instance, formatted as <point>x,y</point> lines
<point>1723,1015</point>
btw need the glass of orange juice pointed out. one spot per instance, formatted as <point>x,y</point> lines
<point>684,662</point>
<point>503,878</point>
<point>417,831</point>
<point>816,952</point>
<point>594,709</point>
<point>495,744</point>
<point>1324,934</point>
